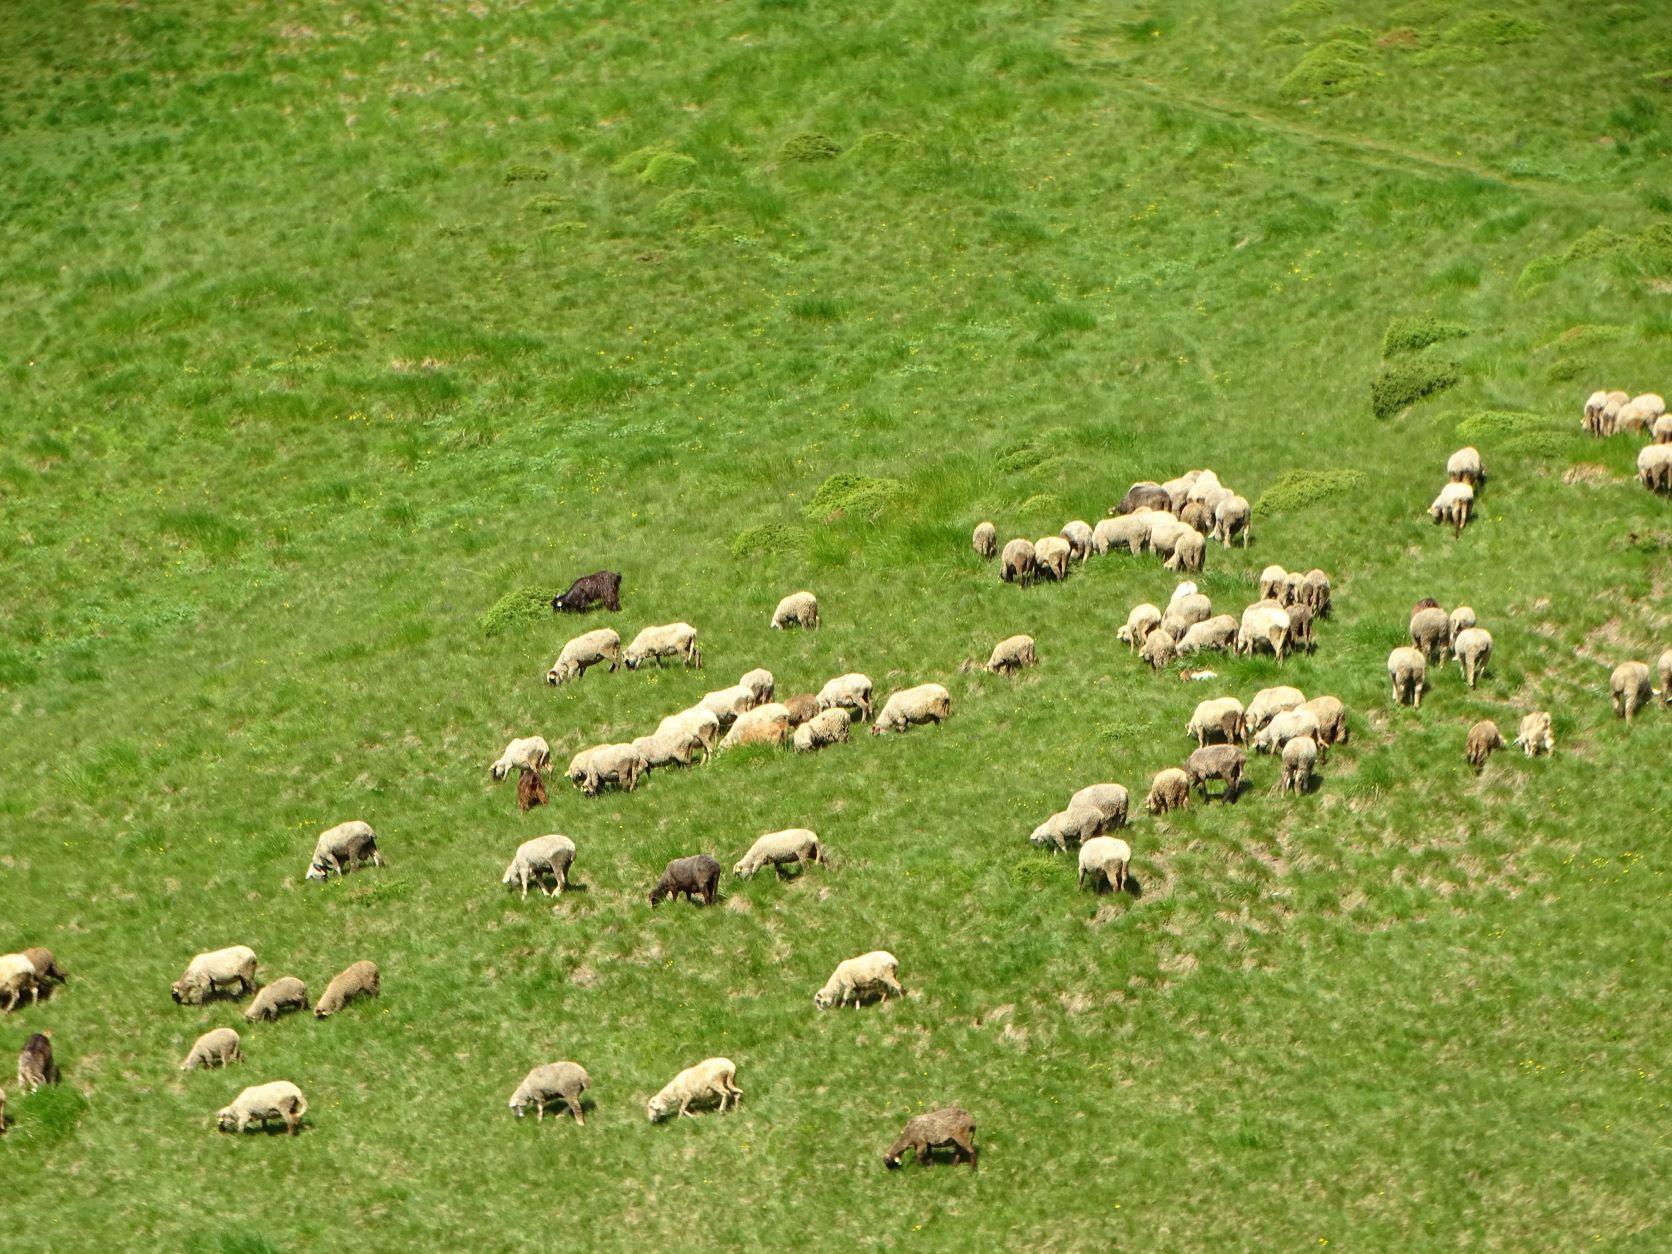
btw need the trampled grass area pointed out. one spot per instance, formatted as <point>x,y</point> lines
<point>327,327</point>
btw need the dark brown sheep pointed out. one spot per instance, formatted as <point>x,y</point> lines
<point>950,1127</point>
<point>1300,627</point>
<point>1197,514</point>
<point>803,707</point>
<point>1484,737</point>
<point>693,876</point>
<point>35,1066</point>
<point>1427,603</point>
<point>531,790</point>
<point>602,587</point>
<point>1140,495</point>
<point>46,967</point>
<point>1225,762</point>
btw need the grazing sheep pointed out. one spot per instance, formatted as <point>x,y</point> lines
<point>1629,689</point>
<point>951,1126</point>
<point>1474,651</point>
<point>1262,625</point>
<point>1268,703</point>
<point>1103,860</point>
<point>47,971</point>
<point>1070,826</point>
<point>1109,799</point>
<point>1300,628</point>
<point>1196,514</point>
<point>1293,584</point>
<point>531,753</point>
<point>802,707</point>
<point>1654,467</point>
<point>602,587</point>
<point>535,859</point>
<point>727,704</point>
<point>1663,668</point>
<point>1272,581</point>
<point>1612,404</point>
<point>1655,404</point>
<point>1634,416</point>
<point>1464,466</point>
<point>620,765</point>
<point>1408,671</point>
<point>1453,505</point>
<point>1050,555</point>
<point>795,845</point>
<point>531,790</point>
<point>760,682</point>
<point>671,640</point>
<point>698,721</point>
<point>1218,718</point>
<point>715,1077</point>
<point>696,876</point>
<point>1078,535</point>
<point>357,980</point>
<point>1013,653</point>
<point>1431,633</point>
<point>1484,737</point>
<point>550,1082</point>
<point>1536,734</point>
<point>1315,593</point>
<point>1286,727</point>
<point>1332,719</point>
<point>799,609</point>
<point>828,727</point>
<point>348,843</point>
<point>1460,620</point>
<point>1232,518</point>
<point>853,978</point>
<point>926,703</point>
<point>1159,649</point>
<point>17,977</point>
<point>1189,606</point>
<point>285,993</point>
<point>1146,494</point>
<point>1018,562</point>
<point>207,972</point>
<point>1662,430</point>
<point>35,1065</point>
<point>985,540</point>
<point>1189,551</point>
<point>767,724</point>
<point>217,1048</point>
<point>1129,532</point>
<point>1140,622</point>
<point>279,1099</point>
<point>1591,422</point>
<point>1225,762</point>
<point>851,692</point>
<point>577,765</point>
<point>1300,759</point>
<point>1169,790</point>
<point>585,651</point>
<point>678,746</point>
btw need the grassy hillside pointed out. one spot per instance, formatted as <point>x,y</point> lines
<point>326,327</point>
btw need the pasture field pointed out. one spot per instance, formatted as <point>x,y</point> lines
<point>325,328</point>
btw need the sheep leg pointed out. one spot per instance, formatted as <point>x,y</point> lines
<point>683,1112</point>
<point>574,1104</point>
<point>893,986</point>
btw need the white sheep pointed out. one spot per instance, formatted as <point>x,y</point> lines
<point>1652,402</point>
<point>544,855</point>
<point>1285,727</point>
<point>1460,620</point>
<point>1453,505</point>
<point>551,1082</point>
<point>1474,651</point>
<point>853,978</point>
<point>279,1099</point>
<point>531,753</point>
<point>1104,860</point>
<point>1263,625</point>
<point>586,650</point>
<point>205,973</point>
<point>1663,669</point>
<point>779,849</point>
<point>17,977</point>
<point>711,1077</point>
<point>1594,406</point>
<point>1332,719</point>
<point>985,539</point>
<point>577,766</point>
<point>1408,671</point>
<point>1051,554</point>
<point>1189,551</point>
<point>216,1048</point>
<point>1129,531</point>
<point>926,703</point>
<point>1078,535</point>
<point>1536,734</point>
<point>1111,800</point>
<point>827,727</point>
<point>1272,580</point>
<point>726,704</point>
<point>1634,416</point>
<point>1612,404</point>
<point>357,980</point>
<point>343,848</point>
<point>1219,632</point>
<point>1140,622</point>
<point>1169,790</point>
<point>1268,703</point>
<point>1232,517</point>
<point>1159,649</point>
<point>671,640</point>
<point>698,721</point>
<point>1629,689</point>
<point>1219,716</point>
<point>799,609</point>
<point>1300,757</point>
<point>1654,467</point>
<point>760,682</point>
<point>767,724</point>
<point>1011,654</point>
<point>1018,563</point>
<point>677,746</point>
<point>851,691</point>
<point>1070,826</point>
<point>620,765</point>
<point>1464,466</point>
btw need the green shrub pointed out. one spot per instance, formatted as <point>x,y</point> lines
<point>1018,458</point>
<point>1470,40</point>
<point>1309,8</point>
<point>1351,35</point>
<point>1538,274</point>
<point>655,165</point>
<point>1652,248</point>
<point>1599,241</point>
<point>847,494</point>
<point>816,309</point>
<point>1498,424</point>
<point>517,172</point>
<point>1330,69</point>
<point>811,148</point>
<point>526,605</point>
<point>1402,383</point>
<point>764,539</point>
<point>1283,37</point>
<point>1297,489</point>
<point>1408,334</point>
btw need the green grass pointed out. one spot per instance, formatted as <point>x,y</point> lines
<point>333,340</point>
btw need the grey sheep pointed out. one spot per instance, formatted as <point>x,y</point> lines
<point>1300,628</point>
<point>1078,535</point>
<point>1629,689</point>
<point>1431,633</point>
<point>551,1082</point>
<point>1224,762</point>
<point>1408,671</point>
<point>1300,759</point>
<point>285,993</point>
<point>1018,562</point>
<point>1196,514</point>
<point>696,876</point>
<point>799,609</point>
<point>828,727</point>
<point>535,859</point>
<point>360,979</point>
<point>1169,790</point>
<point>985,540</point>
<point>1145,494</point>
<point>279,1099</point>
<point>951,1126</point>
<point>1103,861</point>
<point>1314,593</point>
<point>217,1048</point>
<point>1111,800</point>
<point>1474,651</point>
<point>1536,734</point>
<point>1484,737</point>
<point>342,849</point>
<point>208,972</point>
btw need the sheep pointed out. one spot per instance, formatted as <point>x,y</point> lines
<point>828,727</point>
<point>285,993</point>
<point>1458,621</point>
<point>726,704</point>
<point>1220,717</point>
<point>548,1083</point>
<point>349,843</point>
<point>1662,430</point>
<point>279,1099</point>
<point>602,587</point>
<point>1142,620</point>
<point>1484,737</point>
<point>712,1076</point>
<point>1629,689</point>
<point>1013,653</point>
<point>17,977</point>
<point>219,1047</point>
<point>1300,628</point>
<point>1592,419</point>
<point>358,979</point>
<point>767,724</point>
<point>1408,672</point>
<point>699,721</point>
<point>1464,466</point>
<point>1300,758</point>
<point>1654,467</point>
<point>671,640</point>
<point>674,747</point>
<point>576,771</point>
<point>1263,626</point>
<point>793,845</point>
<point>531,790</point>
<point>2,1112</point>
<point>985,539</point>
<point>698,875</point>
<point>1189,606</point>
<point>1270,702</point>
<point>855,977</point>
<point>926,703</point>
<point>1293,584</point>
<point>1129,532</point>
<point>1073,825</point>
<point>802,707</point>
<point>1431,633</point>
<point>1018,562</point>
<point>760,682</point>
<point>1159,649</point>
<point>620,765</point>
<point>531,753</point>
<point>1315,592</point>
<point>1453,505</point>
<point>1284,728</point>
<point>1197,515</point>
<point>1613,403</point>
<point>1474,651</point>
<point>1536,735</point>
<point>585,651</point>
<point>1078,535</point>
<point>1634,416</point>
<point>1189,551</point>
<point>1103,861</point>
<point>544,855</point>
<point>1332,719</point>
<point>1234,516</point>
<point>1145,494</point>
<point>1653,403</point>
<point>47,971</point>
<point>1272,579</point>
<point>951,1126</point>
<point>1109,799</point>
<point>1169,790</point>
<point>1050,555</point>
<point>851,691</point>
<point>1225,762</point>
<point>1663,669</point>
<point>799,609</point>
<point>206,972</point>
<point>35,1065</point>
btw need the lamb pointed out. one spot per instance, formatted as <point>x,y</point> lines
<point>47,971</point>
<point>1460,620</point>
<point>531,790</point>
<point>535,859</point>
<point>1284,728</point>
<point>1474,651</point>
<point>279,1099</point>
<point>1012,654</point>
<point>951,1126</point>
<point>1654,467</point>
<point>1159,649</point>
<point>585,651</point>
<point>1220,717</point>
<point>711,1077</point>
<point>1018,562</point>
<point>926,703</point>
<point>1300,758</point>
<point>1234,516</point>
<point>1268,703</point>
<point>1409,672</point>
<point>1225,762</point>
<point>802,707</point>
<point>795,845</point>
<point>726,704</point>
<point>1189,551</point>
<point>1464,466</point>
<point>17,977</point>
<point>285,993</point>
<point>357,980</point>
<point>1262,625</point>
<point>1140,622</point>
<point>1315,593</point>
<point>671,640</point>
<point>1629,689</point>
<point>208,971</point>
<point>677,746</point>
<point>219,1047</point>
<point>1536,735</point>
<point>1169,790</point>
<point>1129,532</point>
<point>349,843</point>
<point>1110,799</point>
<point>767,724</point>
<point>699,721</point>
<point>548,1083</point>
<point>985,539</point>
<point>799,609</point>
<point>828,727</point>
<point>1453,505</point>
<point>852,692</point>
<point>620,765</point>
<point>602,587</point>
<point>1272,581</point>
<point>698,875</point>
<point>1078,535</point>
<point>35,1065</point>
<point>760,682</point>
<point>853,978</point>
<point>1431,633</point>
<point>1073,825</point>
<point>1145,494</point>
<point>1332,719</point>
<point>1051,554</point>
<point>1103,860</point>
<point>531,753</point>
<point>1484,737</point>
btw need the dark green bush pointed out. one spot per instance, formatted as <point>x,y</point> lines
<point>528,604</point>
<point>811,148</point>
<point>1402,383</point>
<point>1330,69</point>
<point>1297,489</point>
<point>847,494</point>
<point>1408,334</point>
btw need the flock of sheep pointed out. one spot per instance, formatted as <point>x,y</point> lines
<point>1611,413</point>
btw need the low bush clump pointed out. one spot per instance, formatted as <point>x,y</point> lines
<point>811,148</point>
<point>847,494</point>
<point>764,539</point>
<point>1408,334</point>
<point>528,604</point>
<point>1330,69</point>
<point>1297,489</point>
<point>1402,383</point>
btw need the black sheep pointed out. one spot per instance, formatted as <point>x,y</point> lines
<point>602,587</point>
<point>692,876</point>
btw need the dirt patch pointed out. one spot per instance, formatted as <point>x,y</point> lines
<point>1397,39</point>
<point>1588,473</point>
